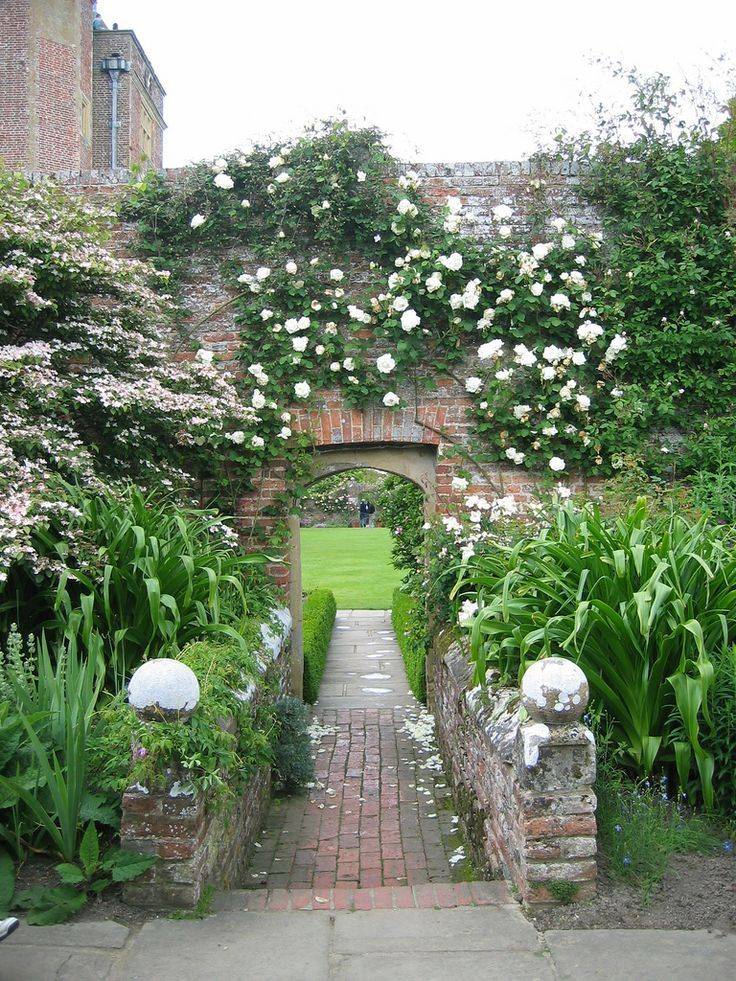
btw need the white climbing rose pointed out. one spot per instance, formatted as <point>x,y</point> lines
<point>385,364</point>
<point>302,390</point>
<point>557,464</point>
<point>409,320</point>
<point>473,384</point>
<point>197,220</point>
<point>224,181</point>
<point>391,399</point>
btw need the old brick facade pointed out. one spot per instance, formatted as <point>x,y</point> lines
<point>55,98</point>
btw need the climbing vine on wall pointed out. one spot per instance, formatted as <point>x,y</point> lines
<point>344,277</point>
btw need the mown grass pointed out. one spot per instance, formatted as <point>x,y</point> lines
<point>355,563</point>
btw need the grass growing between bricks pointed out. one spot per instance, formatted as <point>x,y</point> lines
<point>318,619</point>
<point>355,563</point>
<point>409,622</point>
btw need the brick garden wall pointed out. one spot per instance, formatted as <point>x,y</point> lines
<point>527,815</point>
<point>197,843</point>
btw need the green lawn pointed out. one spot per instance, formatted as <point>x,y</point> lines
<point>355,563</point>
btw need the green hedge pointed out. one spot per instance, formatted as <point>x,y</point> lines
<point>410,624</point>
<point>318,618</point>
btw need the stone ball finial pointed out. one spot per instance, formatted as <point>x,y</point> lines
<point>163,689</point>
<point>554,690</point>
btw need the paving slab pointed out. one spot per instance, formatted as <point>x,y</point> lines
<point>91,933</point>
<point>643,955</point>
<point>456,965</point>
<point>230,946</point>
<point>488,928</point>
<point>44,963</point>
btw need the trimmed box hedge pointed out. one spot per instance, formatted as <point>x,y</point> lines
<point>318,618</point>
<point>409,623</point>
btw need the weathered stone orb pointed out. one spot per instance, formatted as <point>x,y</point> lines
<point>164,689</point>
<point>554,690</point>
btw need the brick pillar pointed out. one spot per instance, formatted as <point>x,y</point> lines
<point>554,762</point>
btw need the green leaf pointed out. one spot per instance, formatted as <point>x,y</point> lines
<point>47,906</point>
<point>126,865</point>
<point>70,874</point>
<point>7,881</point>
<point>89,850</point>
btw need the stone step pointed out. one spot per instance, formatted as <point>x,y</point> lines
<point>425,896</point>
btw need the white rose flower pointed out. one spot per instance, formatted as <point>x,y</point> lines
<point>285,417</point>
<point>284,433</point>
<point>503,375</point>
<point>258,399</point>
<point>504,231</point>
<point>219,164</point>
<point>385,364</point>
<point>617,345</point>
<point>578,357</point>
<point>453,261</point>
<point>454,205</point>
<point>245,203</point>
<point>197,220</point>
<point>204,355</point>
<point>557,464</point>
<point>291,267</point>
<point>583,402</point>
<point>520,411</point>
<point>266,314</point>
<point>300,343</point>
<point>390,399</point>
<point>588,332</point>
<point>406,207</point>
<point>224,181</point>
<point>548,373</point>
<point>542,249</point>
<point>467,611</point>
<point>505,296</point>
<point>336,275</point>
<point>361,175</point>
<point>558,224</point>
<point>516,456</point>
<point>349,364</point>
<point>491,350</point>
<point>459,484</point>
<point>282,178</point>
<point>335,366</point>
<point>258,442</point>
<point>326,205</point>
<point>473,384</point>
<point>263,272</point>
<point>302,389</point>
<point>238,437</point>
<point>568,242</point>
<point>536,289</point>
<point>409,320</point>
<point>433,282</point>
<point>502,212</point>
<point>320,349</point>
<point>400,304</point>
<point>559,302</point>
<point>523,356</point>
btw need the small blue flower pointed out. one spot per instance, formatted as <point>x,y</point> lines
<point>728,846</point>
<point>618,828</point>
<point>627,860</point>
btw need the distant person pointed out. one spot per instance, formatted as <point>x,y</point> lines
<point>366,510</point>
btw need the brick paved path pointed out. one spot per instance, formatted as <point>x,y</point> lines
<point>379,813</point>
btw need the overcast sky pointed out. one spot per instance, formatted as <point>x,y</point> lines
<point>460,80</point>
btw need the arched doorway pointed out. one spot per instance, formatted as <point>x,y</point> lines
<point>414,461</point>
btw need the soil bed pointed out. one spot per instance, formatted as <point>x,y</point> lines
<point>698,892</point>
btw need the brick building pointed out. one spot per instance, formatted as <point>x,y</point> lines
<point>57,61</point>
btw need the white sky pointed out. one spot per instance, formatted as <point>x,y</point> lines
<point>458,80</point>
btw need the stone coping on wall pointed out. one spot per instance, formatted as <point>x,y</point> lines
<point>523,787</point>
<point>197,844</point>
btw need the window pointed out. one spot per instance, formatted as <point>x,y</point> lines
<point>86,120</point>
<point>147,134</point>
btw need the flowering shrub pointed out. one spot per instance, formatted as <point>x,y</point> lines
<point>89,388</point>
<point>355,283</point>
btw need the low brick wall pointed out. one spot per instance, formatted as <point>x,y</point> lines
<point>198,843</point>
<point>522,787</point>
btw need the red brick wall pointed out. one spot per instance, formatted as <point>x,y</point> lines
<point>59,137</point>
<point>14,81</point>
